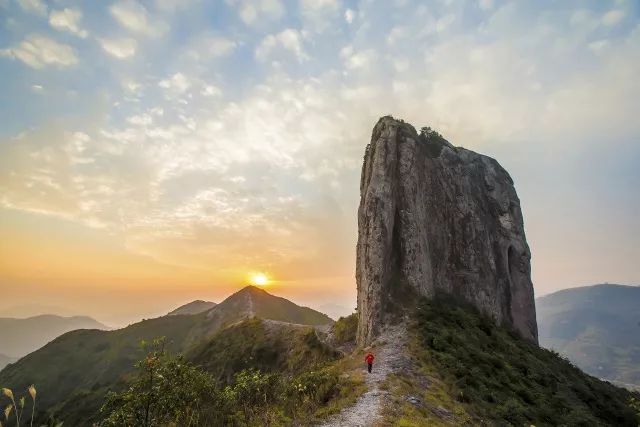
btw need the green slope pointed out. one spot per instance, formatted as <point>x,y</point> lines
<point>5,360</point>
<point>263,345</point>
<point>74,371</point>
<point>194,307</point>
<point>483,374</point>
<point>596,327</point>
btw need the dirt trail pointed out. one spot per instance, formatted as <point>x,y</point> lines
<point>391,356</point>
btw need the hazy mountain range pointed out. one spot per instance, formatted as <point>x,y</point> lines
<point>75,370</point>
<point>596,327</point>
<point>19,337</point>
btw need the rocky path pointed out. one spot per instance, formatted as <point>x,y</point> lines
<point>391,356</point>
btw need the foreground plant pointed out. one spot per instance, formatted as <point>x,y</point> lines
<point>18,409</point>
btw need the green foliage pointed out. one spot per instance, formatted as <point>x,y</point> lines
<point>507,380</point>
<point>345,329</point>
<point>76,370</point>
<point>165,390</point>
<point>255,344</point>
<point>432,141</point>
<point>168,391</point>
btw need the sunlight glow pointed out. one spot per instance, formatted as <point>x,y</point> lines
<point>259,279</point>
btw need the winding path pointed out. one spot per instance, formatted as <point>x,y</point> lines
<point>390,357</point>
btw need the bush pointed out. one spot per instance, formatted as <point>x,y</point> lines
<point>345,329</point>
<point>510,381</point>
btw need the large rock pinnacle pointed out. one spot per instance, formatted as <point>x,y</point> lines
<point>437,218</point>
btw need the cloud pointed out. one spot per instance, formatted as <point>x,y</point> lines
<point>613,17</point>
<point>135,17</point>
<point>68,20</point>
<point>33,6</point>
<point>357,60</point>
<point>256,12</point>
<point>485,4</point>
<point>349,14</point>
<point>38,51</point>
<point>289,40</point>
<point>319,14</point>
<point>120,48</point>
<point>208,46</point>
<point>177,83</point>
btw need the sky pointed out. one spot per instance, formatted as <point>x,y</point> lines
<point>155,152</point>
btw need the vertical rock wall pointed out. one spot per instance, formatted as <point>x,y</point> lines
<point>434,217</point>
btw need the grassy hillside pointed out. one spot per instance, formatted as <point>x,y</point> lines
<point>89,361</point>
<point>5,360</point>
<point>19,337</point>
<point>596,327</point>
<point>194,307</point>
<point>263,345</point>
<point>74,371</point>
<point>470,371</point>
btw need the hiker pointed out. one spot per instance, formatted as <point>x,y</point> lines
<point>369,359</point>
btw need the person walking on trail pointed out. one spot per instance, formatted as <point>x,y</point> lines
<point>369,359</point>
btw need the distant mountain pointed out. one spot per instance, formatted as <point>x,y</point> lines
<point>19,337</point>
<point>5,360</point>
<point>256,302</point>
<point>78,368</point>
<point>194,307</point>
<point>596,327</point>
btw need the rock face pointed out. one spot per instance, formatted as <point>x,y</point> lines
<point>437,218</point>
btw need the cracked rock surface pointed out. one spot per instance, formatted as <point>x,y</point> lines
<point>438,218</point>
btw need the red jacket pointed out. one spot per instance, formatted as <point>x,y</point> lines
<point>369,358</point>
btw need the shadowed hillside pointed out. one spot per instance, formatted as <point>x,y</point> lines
<point>22,336</point>
<point>74,371</point>
<point>194,307</point>
<point>596,327</point>
<point>479,373</point>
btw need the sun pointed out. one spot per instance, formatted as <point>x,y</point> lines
<point>260,279</point>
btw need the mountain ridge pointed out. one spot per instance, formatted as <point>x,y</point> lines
<point>193,307</point>
<point>20,336</point>
<point>597,327</point>
<point>85,364</point>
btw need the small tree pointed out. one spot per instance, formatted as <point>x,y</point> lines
<point>166,390</point>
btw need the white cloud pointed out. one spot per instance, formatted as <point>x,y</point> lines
<point>289,40</point>
<point>68,20</point>
<point>135,17</point>
<point>255,12</point>
<point>485,4</point>
<point>178,83</point>
<point>613,17</point>
<point>33,6</point>
<point>357,59</point>
<point>38,51</point>
<point>210,90</point>
<point>120,48</point>
<point>318,14</point>
<point>349,14</point>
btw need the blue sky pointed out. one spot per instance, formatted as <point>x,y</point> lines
<point>215,138</point>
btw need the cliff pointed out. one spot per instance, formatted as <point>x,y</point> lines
<point>438,218</point>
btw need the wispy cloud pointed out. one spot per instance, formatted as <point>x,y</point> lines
<point>68,19</point>
<point>120,48</point>
<point>135,17</point>
<point>39,51</point>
